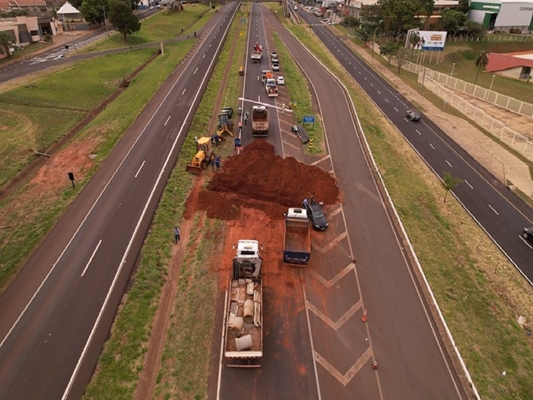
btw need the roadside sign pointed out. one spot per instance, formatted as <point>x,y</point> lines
<point>308,119</point>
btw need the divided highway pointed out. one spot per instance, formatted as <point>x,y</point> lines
<point>500,212</point>
<point>57,313</point>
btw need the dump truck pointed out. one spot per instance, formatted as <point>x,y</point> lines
<point>257,53</point>
<point>259,121</point>
<point>297,243</point>
<point>243,314</point>
<point>271,88</point>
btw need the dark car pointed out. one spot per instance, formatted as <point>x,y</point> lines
<point>527,234</point>
<point>316,215</point>
<point>412,115</point>
<point>227,110</point>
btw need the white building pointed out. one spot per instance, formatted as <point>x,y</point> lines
<point>503,15</point>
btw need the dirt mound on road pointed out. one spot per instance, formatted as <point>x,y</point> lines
<point>259,179</point>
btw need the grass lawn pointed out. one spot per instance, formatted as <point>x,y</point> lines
<point>161,27</point>
<point>478,291</point>
<point>39,113</point>
<point>23,229</point>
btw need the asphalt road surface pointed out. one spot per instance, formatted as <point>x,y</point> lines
<point>58,311</point>
<point>253,89</point>
<point>338,348</point>
<point>498,210</point>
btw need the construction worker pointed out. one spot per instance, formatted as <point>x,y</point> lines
<point>217,162</point>
<point>239,110</point>
<point>375,365</point>
<point>305,202</point>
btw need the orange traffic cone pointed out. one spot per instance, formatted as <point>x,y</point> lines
<point>364,316</point>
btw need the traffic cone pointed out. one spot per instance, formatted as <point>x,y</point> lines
<point>364,316</point>
<point>375,365</point>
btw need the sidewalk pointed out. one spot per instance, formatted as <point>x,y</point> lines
<point>496,159</point>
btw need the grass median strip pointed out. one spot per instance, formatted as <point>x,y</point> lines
<point>184,368</point>
<point>478,290</point>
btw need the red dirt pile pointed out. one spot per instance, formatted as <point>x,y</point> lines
<point>259,179</point>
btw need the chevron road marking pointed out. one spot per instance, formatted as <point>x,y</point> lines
<point>331,244</point>
<point>291,145</point>
<point>335,279</point>
<point>347,377</point>
<point>335,212</point>
<point>320,160</point>
<point>340,322</point>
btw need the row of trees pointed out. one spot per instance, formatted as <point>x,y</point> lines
<point>120,13</point>
<point>393,18</point>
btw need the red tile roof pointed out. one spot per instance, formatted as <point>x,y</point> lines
<point>501,62</point>
<point>9,4</point>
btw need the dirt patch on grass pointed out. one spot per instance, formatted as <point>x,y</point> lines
<point>75,158</point>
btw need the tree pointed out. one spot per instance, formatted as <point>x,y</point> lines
<point>93,11</point>
<point>414,40</point>
<point>464,6</point>
<point>76,3</point>
<point>449,182</point>
<point>481,62</point>
<point>123,19</point>
<point>400,16</point>
<point>350,22</point>
<point>6,39</point>
<point>389,50</point>
<point>452,21</point>
<point>475,29</point>
<point>427,7</point>
<point>402,56</point>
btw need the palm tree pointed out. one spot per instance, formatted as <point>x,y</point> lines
<point>5,42</point>
<point>414,40</point>
<point>481,62</point>
<point>449,182</point>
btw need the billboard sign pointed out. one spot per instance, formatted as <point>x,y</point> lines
<point>431,40</point>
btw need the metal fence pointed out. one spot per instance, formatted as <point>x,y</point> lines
<point>500,100</point>
<point>514,139</point>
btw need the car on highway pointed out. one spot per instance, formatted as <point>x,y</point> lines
<point>275,67</point>
<point>274,55</point>
<point>527,234</point>
<point>316,214</point>
<point>280,80</point>
<point>412,115</point>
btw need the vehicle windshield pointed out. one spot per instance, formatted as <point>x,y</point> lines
<point>318,214</point>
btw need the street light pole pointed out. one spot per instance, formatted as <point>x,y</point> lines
<point>451,75</point>
<point>490,88</point>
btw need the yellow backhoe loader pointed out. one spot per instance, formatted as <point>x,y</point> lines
<point>203,157</point>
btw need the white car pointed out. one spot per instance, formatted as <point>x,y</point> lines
<point>280,80</point>
<point>275,67</point>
